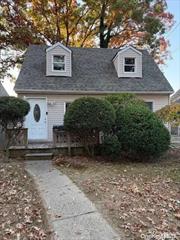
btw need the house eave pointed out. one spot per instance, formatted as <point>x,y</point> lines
<point>58,44</point>
<point>32,91</point>
<point>124,50</point>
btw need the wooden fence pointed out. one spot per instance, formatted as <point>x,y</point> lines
<point>62,138</point>
<point>17,137</point>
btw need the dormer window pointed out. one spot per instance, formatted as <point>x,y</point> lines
<point>129,64</point>
<point>59,63</point>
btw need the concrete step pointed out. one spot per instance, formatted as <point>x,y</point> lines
<point>38,156</point>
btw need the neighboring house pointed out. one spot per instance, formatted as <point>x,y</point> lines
<point>2,90</point>
<point>3,93</point>
<point>52,77</point>
<point>175,99</point>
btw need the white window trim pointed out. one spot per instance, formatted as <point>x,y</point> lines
<point>135,67</point>
<point>52,63</point>
<point>58,44</point>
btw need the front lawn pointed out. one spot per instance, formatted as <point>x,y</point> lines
<point>136,198</point>
<point>22,215</point>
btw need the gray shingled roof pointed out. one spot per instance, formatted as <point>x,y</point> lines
<point>2,91</point>
<point>92,71</point>
<point>176,97</point>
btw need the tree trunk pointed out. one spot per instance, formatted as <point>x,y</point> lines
<point>6,156</point>
<point>104,37</point>
<point>58,30</point>
<point>102,27</point>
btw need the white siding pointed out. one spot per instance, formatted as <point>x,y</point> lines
<point>119,63</point>
<point>159,101</point>
<point>58,50</point>
<point>56,106</point>
<point>116,64</point>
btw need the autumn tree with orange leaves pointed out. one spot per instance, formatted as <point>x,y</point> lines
<point>86,23</point>
<point>142,23</point>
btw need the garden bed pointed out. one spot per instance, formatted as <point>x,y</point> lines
<point>22,215</point>
<point>138,199</point>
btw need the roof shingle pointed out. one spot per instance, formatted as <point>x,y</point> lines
<point>92,71</point>
<point>176,97</point>
<point>2,91</point>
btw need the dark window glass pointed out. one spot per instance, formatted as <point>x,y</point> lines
<point>129,65</point>
<point>129,68</point>
<point>59,58</point>
<point>129,61</point>
<point>59,62</point>
<point>37,113</point>
<point>149,105</point>
<point>67,105</point>
<point>59,66</point>
<point>174,131</point>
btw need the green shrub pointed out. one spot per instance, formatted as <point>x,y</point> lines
<point>123,99</point>
<point>12,113</point>
<point>140,132</point>
<point>88,116</point>
<point>111,147</point>
<point>12,110</point>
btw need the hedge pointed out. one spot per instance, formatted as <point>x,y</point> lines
<point>140,132</point>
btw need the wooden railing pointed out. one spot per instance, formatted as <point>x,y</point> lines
<point>62,138</point>
<point>17,137</point>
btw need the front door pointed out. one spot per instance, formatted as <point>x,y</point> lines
<point>36,120</point>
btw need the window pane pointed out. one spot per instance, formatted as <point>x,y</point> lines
<point>149,105</point>
<point>129,68</point>
<point>130,61</point>
<point>37,113</point>
<point>59,66</point>
<point>174,131</point>
<point>58,58</point>
<point>67,105</point>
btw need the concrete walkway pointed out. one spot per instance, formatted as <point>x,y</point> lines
<point>70,213</point>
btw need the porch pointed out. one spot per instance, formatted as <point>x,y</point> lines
<point>41,151</point>
<point>63,143</point>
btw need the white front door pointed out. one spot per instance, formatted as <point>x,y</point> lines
<point>36,120</point>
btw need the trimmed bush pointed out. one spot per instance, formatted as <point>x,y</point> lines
<point>124,99</point>
<point>12,113</point>
<point>88,116</point>
<point>140,132</point>
<point>111,147</point>
<point>12,110</point>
